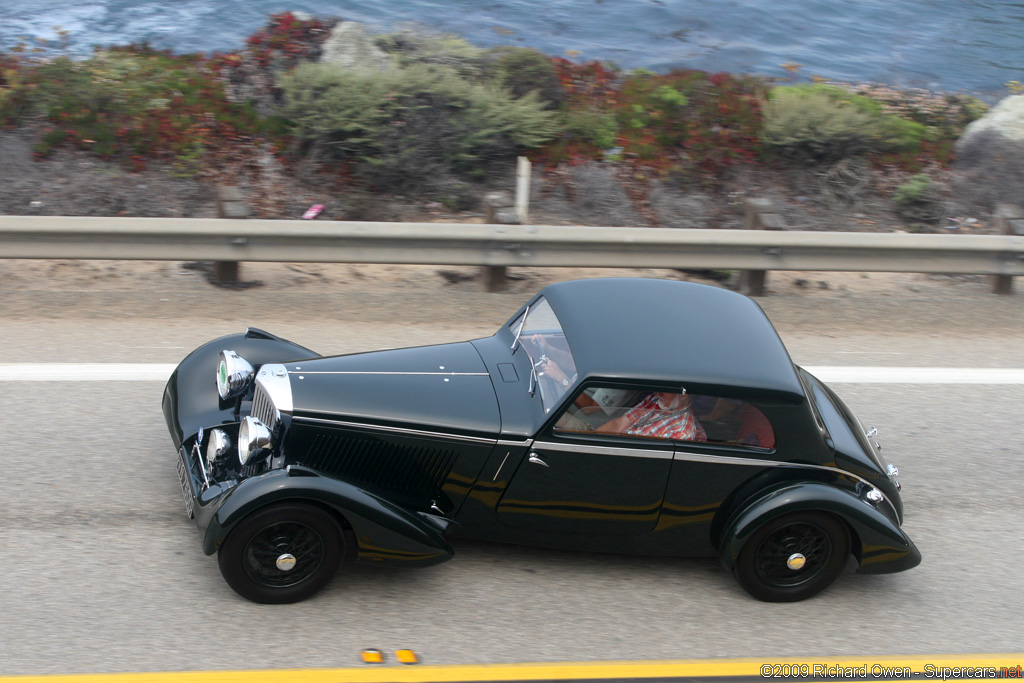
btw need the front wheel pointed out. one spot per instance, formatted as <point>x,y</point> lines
<point>282,553</point>
<point>793,557</point>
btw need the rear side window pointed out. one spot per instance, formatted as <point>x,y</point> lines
<point>733,422</point>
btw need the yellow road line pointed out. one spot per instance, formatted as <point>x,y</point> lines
<point>682,668</point>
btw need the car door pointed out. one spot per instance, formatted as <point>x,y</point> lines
<point>582,481</point>
<point>733,457</point>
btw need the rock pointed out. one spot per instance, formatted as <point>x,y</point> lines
<point>349,46</point>
<point>507,216</point>
<point>1006,118</point>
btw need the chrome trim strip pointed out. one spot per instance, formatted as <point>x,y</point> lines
<point>387,372</point>
<point>197,452</point>
<point>700,457</point>
<point>604,450</point>
<point>396,430</point>
<point>495,477</point>
<point>514,444</point>
<point>733,460</point>
<point>519,332</point>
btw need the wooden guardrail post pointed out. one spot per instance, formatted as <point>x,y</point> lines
<point>230,204</point>
<point>760,215</point>
<point>1009,221</point>
<point>523,170</point>
<point>499,208</point>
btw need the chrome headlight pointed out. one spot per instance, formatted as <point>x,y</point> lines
<point>254,439</point>
<point>233,374</point>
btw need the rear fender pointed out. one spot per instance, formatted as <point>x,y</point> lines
<point>879,545</point>
<point>191,401</point>
<point>383,531</point>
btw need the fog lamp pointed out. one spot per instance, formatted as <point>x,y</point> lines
<point>218,445</point>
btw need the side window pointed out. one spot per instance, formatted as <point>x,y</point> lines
<point>625,412</point>
<point>676,416</point>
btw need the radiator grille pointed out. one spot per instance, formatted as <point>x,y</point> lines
<point>262,407</point>
<point>374,462</point>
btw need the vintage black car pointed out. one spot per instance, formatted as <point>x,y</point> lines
<point>616,415</point>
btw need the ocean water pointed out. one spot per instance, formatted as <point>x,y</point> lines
<point>971,45</point>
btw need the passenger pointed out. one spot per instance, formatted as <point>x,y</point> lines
<point>659,415</point>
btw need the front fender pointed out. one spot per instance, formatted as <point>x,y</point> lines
<point>879,544</point>
<point>190,397</point>
<point>383,530</point>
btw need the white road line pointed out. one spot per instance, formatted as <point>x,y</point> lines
<point>840,374</point>
<point>86,372</point>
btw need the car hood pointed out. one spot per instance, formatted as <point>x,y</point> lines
<point>445,387</point>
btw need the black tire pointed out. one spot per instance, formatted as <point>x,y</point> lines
<point>249,556</point>
<point>762,569</point>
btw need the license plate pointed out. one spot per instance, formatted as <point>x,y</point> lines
<point>186,488</point>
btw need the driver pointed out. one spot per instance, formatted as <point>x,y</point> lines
<point>550,359</point>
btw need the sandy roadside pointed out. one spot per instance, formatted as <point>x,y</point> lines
<point>162,290</point>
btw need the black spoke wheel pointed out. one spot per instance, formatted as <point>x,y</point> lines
<point>281,553</point>
<point>793,557</point>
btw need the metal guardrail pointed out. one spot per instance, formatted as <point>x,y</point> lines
<point>185,239</point>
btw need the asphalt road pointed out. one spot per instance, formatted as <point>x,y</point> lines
<point>102,572</point>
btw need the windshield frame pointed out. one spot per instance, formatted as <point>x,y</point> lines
<point>539,333</point>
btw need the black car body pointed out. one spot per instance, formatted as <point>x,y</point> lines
<point>292,463</point>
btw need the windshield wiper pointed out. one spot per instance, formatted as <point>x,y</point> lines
<point>534,380</point>
<point>515,341</point>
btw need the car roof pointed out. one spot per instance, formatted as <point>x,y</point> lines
<point>670,331</point>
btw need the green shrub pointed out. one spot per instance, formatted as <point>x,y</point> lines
<point>132,103</point>
<point>445,50</point>
<point>835,93</point>
<point>903,136</point>
<point>916,189</point>
<point>15,90</point>
<point>689,122</point>
<point>918,199</point>
<point>403,126</point>
<point>593,127</point>
<point>815,127</point>
<point>523,70</point>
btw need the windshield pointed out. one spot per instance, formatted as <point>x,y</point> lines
<point>544,342</point>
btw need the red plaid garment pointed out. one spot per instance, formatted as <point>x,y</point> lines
<point>647,419</point>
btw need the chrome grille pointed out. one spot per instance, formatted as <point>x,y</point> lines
<point>186,487</point>
<point>262,407</point>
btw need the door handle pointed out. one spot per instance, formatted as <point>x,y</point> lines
<point>535,459</point>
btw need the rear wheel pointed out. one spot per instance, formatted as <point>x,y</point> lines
<point>793,557</point>
<point>282,553</point>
